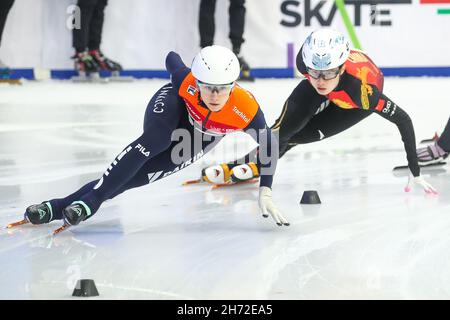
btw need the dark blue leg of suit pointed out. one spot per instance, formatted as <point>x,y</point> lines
<point>148,158</point>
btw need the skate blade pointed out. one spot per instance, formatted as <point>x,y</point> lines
<point>82,79</point>
<point>15,224</point>
<point>422,166</point>
<point>432,163</point>
<point>116,77</point>
<point>61,229</point>
<point>221,185</point>
<point>79,79</point>
<point>430,169</point>
<point>92,78</point>
<point>434,139</point>
<point>96,78</point>
<point>192,182</point>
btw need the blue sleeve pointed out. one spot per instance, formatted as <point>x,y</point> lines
<point>177,69</point>
<point>267,152</point>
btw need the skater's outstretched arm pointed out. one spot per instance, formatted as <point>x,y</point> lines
<point>267,156</point>
<point>393,113</point>
<point>265,167</point>
<point>267,159</point>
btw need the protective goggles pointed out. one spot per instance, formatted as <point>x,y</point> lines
<point>211,88</point>
<point>325,74</point>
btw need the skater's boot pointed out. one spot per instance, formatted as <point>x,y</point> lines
<point>103,62</point>
<point>39,213</point>
<point>431,154</point>
<point>4,71</point>
<point>75,213</point>
<point>85,64</point>
<point>245,70</point>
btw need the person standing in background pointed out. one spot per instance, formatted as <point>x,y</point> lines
<point>5,6</point>
<point>236,22</point>
<point>86,39</point>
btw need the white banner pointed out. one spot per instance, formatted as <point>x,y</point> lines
<point>139,33</point>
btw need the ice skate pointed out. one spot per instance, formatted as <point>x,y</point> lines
<point>432,154</point>
<point>61,229</point>
<point>219,185</point>
<point>87,68</point>
<point>16,224</point>
<point>426,167</point>
<point>35,214</point>
<point>434,139</point>
<point>106,64</point>
<point>195,181</point>
<point>245,70</point>
<point>429,158</point>
<point>233,183</point>
<point>73,215</point>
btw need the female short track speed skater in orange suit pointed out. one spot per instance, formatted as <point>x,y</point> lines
<point>201,104</point>
<point>342,87</point>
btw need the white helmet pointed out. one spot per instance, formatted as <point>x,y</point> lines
<point>216,65</point>
<point>325,49</point>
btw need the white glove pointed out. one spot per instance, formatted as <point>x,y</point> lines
<point>420,181</point>
<point>267,206</point>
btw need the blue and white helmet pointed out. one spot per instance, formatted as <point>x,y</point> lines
<point>325,49</point>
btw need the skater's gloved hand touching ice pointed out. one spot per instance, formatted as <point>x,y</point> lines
<point>420,181</point>
<point>268,207</point>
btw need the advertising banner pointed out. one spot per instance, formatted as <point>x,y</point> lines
<point>397,34</point>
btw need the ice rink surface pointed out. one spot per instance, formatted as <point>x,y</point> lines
<point>367,240</point>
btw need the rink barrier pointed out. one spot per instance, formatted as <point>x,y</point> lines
<point>417,72</point>
<point>31,74</point>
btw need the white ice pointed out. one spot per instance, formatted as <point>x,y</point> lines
<point>367,240</point>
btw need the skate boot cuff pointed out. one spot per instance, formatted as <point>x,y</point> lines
<point>49,205</point>
<point>85,206</point>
